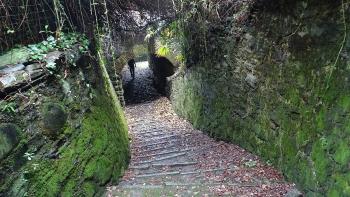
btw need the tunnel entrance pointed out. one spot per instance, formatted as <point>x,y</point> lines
<point>141,89</point>
<point>150,81</point>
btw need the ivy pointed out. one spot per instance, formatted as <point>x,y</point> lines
<point>8,107</point>
<point>65,41</point>
<point>39,51</point>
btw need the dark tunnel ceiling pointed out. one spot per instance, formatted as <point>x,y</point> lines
<point>135,15</point>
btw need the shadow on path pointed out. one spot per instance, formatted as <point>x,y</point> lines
<point>141,89</point>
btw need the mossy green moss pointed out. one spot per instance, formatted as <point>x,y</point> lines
<point>15,56</point>
<point>96,152</point>
<point>298,115</point>
<point>88,140</point>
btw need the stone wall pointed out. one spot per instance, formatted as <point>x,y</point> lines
<point>275,80</point>
<point>68,135</point>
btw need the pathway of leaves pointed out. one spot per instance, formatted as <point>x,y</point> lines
<point>171,158</point>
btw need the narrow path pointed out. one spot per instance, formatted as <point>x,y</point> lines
<point>171,158</point>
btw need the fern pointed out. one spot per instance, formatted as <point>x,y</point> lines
<point>163,50</point>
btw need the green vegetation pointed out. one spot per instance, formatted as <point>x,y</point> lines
<point>168,42</point>
<point>273,98</point>
<point>65,41</point>
<point>97,154</point>
<point>74,147</point>
<point>140,52</point>
<point>8,107</point>
<point>38,52</point>
<point>14,56</point>
<point>163,50</point>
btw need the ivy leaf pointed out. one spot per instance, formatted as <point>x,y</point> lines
<point>51,65</point>
<point>50,39</point>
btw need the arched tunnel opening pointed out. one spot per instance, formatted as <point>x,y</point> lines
<point>150,82</point>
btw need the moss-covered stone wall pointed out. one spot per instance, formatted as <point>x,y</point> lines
<point>274,78</point>
<point>73,139</point>
<point>96,155</point>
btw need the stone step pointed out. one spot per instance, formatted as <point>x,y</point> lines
<point>174,164</point>
<point>182,166</point>
<point>151,144</point>
<point>179,189</point>
<point>157,165</point>
<point>181,141</point>
<point>156,191</point>
<point>158,174</point>
<point>183,173</point>
<point>143,121</point>
<point>148,130</point>
<point>152,139</point>
<point>156,149</point>
<point>164,153</point>
<point>151,135</point>
<point>161,151</point>
<point>160,159</point>
<point>181,184</point>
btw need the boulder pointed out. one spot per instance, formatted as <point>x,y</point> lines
<point>16,76</point>
<point>13,79</point>
<point>54,118</point>
<point>9,138</point>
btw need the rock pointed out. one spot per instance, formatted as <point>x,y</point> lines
<point>33,67</point>
<point>251,80</point>
<point>54,118</point>
<point>66,87</point>
<point>7,80</point>
<point>18,78</point>
<point>53,56</point>
<point>294,193</point>
<point>11,68</point>
<point>9,138</point>
<point>36,74</point>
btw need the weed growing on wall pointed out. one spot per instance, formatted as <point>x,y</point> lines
<point>65,41</point>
